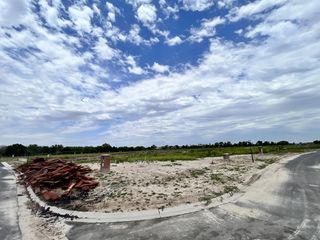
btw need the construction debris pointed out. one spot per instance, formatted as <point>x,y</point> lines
<point>56,179</point>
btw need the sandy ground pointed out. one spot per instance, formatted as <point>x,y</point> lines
<point>152,185</point>
<point>36,226</point>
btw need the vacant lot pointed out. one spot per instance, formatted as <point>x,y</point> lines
<point>156,184</point>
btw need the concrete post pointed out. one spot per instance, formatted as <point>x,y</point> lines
<point>261,150</point>
<point>105,163</point>
<point>226,156</point>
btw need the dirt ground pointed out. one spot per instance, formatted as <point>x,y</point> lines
<point>151,185</point>
<point>36,226</point>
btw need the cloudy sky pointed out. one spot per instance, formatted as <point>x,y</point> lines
<point>143,72</point>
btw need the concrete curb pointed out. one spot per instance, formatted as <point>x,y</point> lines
<point>98,217</point>
<point>9,167</point>
<point>115,217</point>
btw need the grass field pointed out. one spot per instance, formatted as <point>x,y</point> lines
<point>179,154</point>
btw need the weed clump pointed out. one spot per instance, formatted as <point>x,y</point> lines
<point>230,189</point>
<point>198,172</point>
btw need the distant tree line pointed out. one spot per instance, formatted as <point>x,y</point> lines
<point>34,149</point>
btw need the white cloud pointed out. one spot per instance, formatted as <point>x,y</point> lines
<point>162,2</point>
<point>253,8</point>
<point>51,93</point>
<point>172,11</point>
<point>267,75</point>
<point>112,16</point>
<point>197,5</point>
<point>296,10</point>
<point>164,33</point>
<point>104,51</point>
<point>239,31</point>
<point>81,17</point>
<point>207,29</point>
<point>135,37</point>
<point>96,9</point>
<point>51,13</point>
<point>136,70</point>
<point>169,10</point>
<point>174,41</point>
<point>54,77</point>
<point>136,3</point>
<point>83,125</point>
<point>13,12</point>
<point>280,30</point>
<point>111,31</point>
<point>212,23</point>
<point>133,67</point>
<point>225,3</point>
<point>146,13</point>
<point>160,68</point>
<point>112,11</point>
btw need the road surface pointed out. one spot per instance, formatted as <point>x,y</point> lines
<point>283,204</point>
<point>9,228</point>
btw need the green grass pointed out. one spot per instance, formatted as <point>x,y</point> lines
<point>230,189</point>
<point>180,154</point>
<point>262,166</point>
<point>218,177</point>
<point>198,172</point>
<point>193,154</point>
<point>208,198</point>
<point>266,162</point>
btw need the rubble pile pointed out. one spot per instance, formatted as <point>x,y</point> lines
<point>56,179</point>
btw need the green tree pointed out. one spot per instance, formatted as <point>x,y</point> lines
<point>34,149</point>
<point>15,149</point>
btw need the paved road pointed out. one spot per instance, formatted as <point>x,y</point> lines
<point>285,205</point>
<point>9,228</point>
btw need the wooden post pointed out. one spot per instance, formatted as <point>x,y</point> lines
<point>252,157</point>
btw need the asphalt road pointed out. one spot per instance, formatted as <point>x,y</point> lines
<point>9,228</point>
<point>285,205</point>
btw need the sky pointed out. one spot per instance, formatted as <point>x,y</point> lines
<point>144,72</point>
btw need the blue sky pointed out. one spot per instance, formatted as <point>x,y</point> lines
<point>143,72</point>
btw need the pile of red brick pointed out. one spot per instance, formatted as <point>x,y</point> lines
<point>56,178</point>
